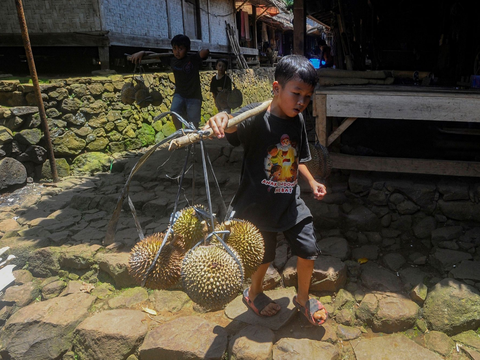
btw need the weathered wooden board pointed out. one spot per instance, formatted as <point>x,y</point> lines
<point>402,165</point>
<point>404,107</point>
<point>340,73</point>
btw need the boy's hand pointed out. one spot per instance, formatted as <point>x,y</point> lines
<point>319,190</point>
<point>137,57</point>
<point>218,123</point>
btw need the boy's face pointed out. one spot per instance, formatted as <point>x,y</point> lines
<point>293,97</point>
<point>221,67</point>
<point>179,51</point>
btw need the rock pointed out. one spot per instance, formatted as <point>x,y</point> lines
<point>28,136</point>
<point>146,134</point>
<point>91,163</point>
<point>392,347</point>
<point>394,261</point>
<point>439,342</point>
<point>425,227</point>
<point>412,277</point>
<point>236,310</point>
<point>68,144</point>
<point>115,265</point>
<point>377,278</point>
<point>452,307</point>
<point>301,349</point>
<point>166,300</point>
<point>468,338</point>
<point>445,260</point>
<point>6,135</point>
<point>34,153</point>
<point>460,210</point>
<point>334,246</point>
<point>348,332</point>
<point>367,251</point>
<point>111,334</point>
<point>128,298</point>
<point>53,289</point>
<point>329,274</point>
<point>419,294</point>
<point>467,270</point>
<point>272,278</point>
<point>78,256</point>
<point>395,314</point>
<point>453,190</point>
<point>21,295</point>
<point>252,342</point>
<point>186,337</point>
<point>361,218</point>
<point>44,330</point>
<point>44,262</point>
<point>359,182</point>
<point>446,233</point>
<point>12,172</point>
<point>367,308</point>
<point>63,169</point>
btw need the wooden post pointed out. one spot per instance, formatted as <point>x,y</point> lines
<point>320,105</point>
<point>299,27</point>
<point>104,56</point>
<point>36,86</point>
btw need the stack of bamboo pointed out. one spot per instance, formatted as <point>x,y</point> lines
<point>232,37</point>
<point>329,77</point>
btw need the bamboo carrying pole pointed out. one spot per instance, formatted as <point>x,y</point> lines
<point>195,137</point>
<point>36,86</point>
<point>172,145</point>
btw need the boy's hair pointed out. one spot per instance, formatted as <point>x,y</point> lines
<point>181,40</point>
<point>295,66</point>
<point>225,61</point>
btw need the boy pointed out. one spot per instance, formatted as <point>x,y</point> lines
<point>187,99</point>
<point>281,208</point>
<point>221,83</point>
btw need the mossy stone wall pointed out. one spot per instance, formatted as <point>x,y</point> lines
<point>86,115</point>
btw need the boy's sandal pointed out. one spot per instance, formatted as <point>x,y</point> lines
<point>311,306</point>
<point>261,302</point>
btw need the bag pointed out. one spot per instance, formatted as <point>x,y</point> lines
<point>235,98</point>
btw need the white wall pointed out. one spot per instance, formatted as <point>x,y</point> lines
<point>51,16</point>
<point>149,18</point>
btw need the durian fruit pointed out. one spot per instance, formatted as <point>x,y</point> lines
<point>190,226</point>
<point>128,93</point>
<point>211,277</point>
<point>157,97</point>
<point>247,241</point>
<point>142,97</point>
<point>167,269</point>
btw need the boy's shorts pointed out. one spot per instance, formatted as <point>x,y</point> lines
<point>301,238</point>
<point>189,109</point>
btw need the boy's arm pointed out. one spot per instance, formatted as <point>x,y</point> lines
<point>204,53</point>
<point>218,124</point>
<point>319,190</point>
<point>137,57</point>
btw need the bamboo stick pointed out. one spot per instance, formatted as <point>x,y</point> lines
<point>195,137</point>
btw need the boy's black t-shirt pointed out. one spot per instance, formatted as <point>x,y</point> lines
<point>217,85</point>
<point>269,195</point>
<point>187,76</point>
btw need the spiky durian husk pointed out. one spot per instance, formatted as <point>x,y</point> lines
<point>247,241</point>
<point>211,277</point>
<point>167,269</point>
<point>189,226</point>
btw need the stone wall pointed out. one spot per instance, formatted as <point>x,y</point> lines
<point>86,117</point>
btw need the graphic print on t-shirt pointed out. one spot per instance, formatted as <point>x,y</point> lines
<point>281,166</point>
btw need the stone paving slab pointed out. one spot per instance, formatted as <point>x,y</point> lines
<point>237,310</point>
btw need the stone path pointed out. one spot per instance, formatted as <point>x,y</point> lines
<point>398,276</point>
